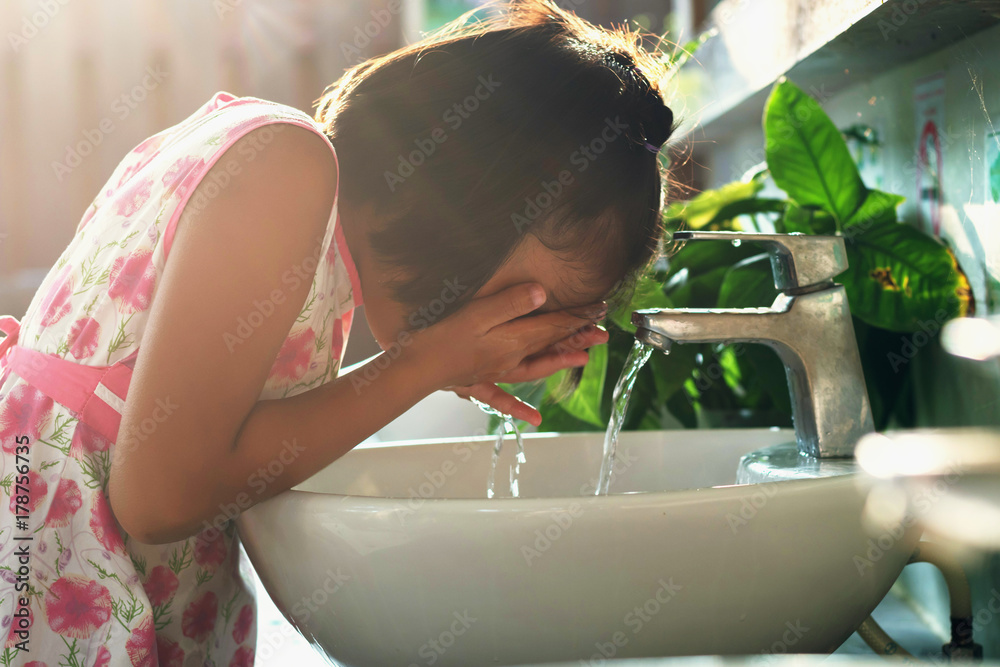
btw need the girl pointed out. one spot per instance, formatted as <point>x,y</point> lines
<point>490,188</point>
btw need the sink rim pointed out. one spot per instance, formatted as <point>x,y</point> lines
<point>536,503</point>
<point>737,490</point>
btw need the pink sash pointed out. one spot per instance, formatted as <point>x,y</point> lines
<point>95,393</point>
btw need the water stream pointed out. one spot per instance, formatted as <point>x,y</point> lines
<point>637,358</point>
<point>507,426</point>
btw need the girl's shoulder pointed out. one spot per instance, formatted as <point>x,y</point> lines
<point>194,141</point>
<point>218,123</point>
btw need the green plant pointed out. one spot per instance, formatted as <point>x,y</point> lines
<point>901,284</point>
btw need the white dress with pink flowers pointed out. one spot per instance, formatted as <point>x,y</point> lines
<point>74,589</point>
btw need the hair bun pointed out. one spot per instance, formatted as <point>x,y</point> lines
<point>656,119</point>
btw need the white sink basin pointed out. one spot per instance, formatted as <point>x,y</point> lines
<point>393,557</point>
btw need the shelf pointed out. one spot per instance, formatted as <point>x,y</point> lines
<point>823,46</point>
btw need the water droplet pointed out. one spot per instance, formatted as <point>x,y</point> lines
<point>737,243</point>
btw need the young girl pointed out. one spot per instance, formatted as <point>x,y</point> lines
<point>490,188</point>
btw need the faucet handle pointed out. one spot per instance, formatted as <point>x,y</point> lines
<point>797,260</point>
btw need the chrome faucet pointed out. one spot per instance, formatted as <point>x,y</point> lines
<point>808,326</point>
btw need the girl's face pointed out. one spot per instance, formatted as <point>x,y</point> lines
<point>567,286</point>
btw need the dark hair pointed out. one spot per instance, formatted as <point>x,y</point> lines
<point>491,128</point>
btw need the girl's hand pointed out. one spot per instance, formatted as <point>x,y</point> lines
<point>495,339</point>
<point>567,353</point>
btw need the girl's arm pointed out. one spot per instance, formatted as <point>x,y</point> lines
<point>248,248</point>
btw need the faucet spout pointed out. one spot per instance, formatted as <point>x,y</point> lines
<point>813,336</point>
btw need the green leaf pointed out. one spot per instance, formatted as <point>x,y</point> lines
<point>585,402</point>
<point>555,419</point>
<point>648,294</point>
<point>725,220</point>
<point>770,376</point>
<point>748,284</point>
<point>682,408</point>
<point>877,207</point>
<point>704,208</point>
<point>885,368</point>
<point>899,278</point>
<point>806,220</point>
<point>807,155</point>
<point>670,371</point>
<point>698,269</point>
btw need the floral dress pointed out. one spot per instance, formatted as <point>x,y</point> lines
<point>74,588</point>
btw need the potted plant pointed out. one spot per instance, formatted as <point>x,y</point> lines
<point>902,285</point>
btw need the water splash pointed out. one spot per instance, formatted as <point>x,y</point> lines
<point>507,427</point>
<point>637,358</point>
<point>515,470</point>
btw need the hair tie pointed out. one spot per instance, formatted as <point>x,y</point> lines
<point>651,148</point>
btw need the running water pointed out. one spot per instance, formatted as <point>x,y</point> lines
<point>637,358</point>
<point>507,426</point>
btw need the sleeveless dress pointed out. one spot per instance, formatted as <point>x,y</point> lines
<point>72,582</point>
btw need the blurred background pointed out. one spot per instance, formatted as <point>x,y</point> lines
<point>84,81</point>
